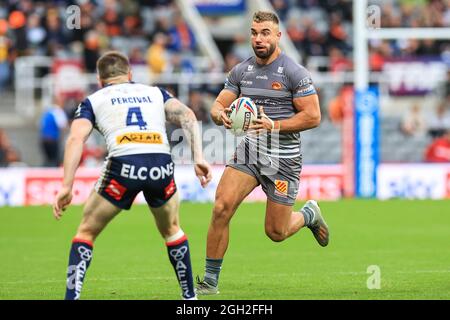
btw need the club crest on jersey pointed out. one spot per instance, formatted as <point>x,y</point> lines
<point>276,85</point>
<point>281,187</point>
<point>250,68</point>
<point>280,69</point>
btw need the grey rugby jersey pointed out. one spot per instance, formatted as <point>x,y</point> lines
<point>273,87</point>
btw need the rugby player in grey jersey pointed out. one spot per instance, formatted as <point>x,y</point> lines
<point>271,158</point>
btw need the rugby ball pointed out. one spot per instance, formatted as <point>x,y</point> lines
<point>242,114</point>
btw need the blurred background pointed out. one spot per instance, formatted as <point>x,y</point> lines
<point>48,51</point>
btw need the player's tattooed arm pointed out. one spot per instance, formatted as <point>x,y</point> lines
<point>180,115</point>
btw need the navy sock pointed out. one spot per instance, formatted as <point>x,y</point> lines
<point>212,271</point>
<point>181,261</point>
<point>79,261</point>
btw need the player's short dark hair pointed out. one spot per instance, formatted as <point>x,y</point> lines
<point>112,64</point>
<point>261,16</point>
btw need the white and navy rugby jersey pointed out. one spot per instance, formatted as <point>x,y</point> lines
<point>130,116</point>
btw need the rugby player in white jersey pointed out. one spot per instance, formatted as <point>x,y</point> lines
<point>272,159</point>
<point>132,119</point>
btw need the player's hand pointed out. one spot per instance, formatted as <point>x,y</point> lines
<point>203,172</point>
<point>62,200</point>
<point>222,117</point>
<point>262,124</point>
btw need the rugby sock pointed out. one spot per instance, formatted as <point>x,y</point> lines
<point>212,271</point>
<point>308,215</point>
<point>79,260</point>
<point>178,249</point>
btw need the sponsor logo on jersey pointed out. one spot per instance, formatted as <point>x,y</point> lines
<point>143,173</point>
<point>307,91</point>
<point>115,190</point>
<point>305,81</point>
<point>281,187</point>
<point>276,85</point>
<point>264,77</point>
<point>140,137</point>
<point>246,83</point>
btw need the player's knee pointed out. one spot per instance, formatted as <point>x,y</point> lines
<point>222,211</point>
<point>276,235</point>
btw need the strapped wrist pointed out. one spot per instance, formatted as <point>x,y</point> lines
<point>277,125</point>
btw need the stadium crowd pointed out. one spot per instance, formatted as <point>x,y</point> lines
<point>153,33</point>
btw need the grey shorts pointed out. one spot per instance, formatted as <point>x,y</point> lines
<point>278,177</point>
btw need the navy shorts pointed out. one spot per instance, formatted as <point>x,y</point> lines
<point>122,178</point>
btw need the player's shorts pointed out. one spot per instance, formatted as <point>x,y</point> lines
<point>278,177</point>
<point>123,177</point>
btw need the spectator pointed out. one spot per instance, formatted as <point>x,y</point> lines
<point>181,37</point>
<point>36,34</point>
<point>55,37</point>
<point>17,22</point>
<point>197,104</point>
<point>53,124</point>
<point>336,109</point>
<point>136,57</point>
<point>157,54</point>
<point>439,149</point>
<point>439,123</point>
<point>91,50</point>
<point>338,62</point>
<point>4,48</point>
<point>413,123</point>
<point>113,18</point>
<point>8,153</point>
<point>93,152</point>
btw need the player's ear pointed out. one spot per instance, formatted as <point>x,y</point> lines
<point>99,81</point>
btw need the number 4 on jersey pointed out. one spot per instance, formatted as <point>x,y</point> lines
<point>134,118</point>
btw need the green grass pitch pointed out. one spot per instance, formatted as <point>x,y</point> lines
<point>408,240</point>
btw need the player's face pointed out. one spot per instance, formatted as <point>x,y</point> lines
<point>265,37</point>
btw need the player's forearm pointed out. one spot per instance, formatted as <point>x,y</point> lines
<point>72,158</point>
<point>215,113</point>
<point>180,115</point>
<point>191,131</point>
<point>300,122</point>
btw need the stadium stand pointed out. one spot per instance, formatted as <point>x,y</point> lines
<point>34,34</point>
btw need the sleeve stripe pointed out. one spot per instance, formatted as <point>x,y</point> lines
<point>85,111</point>
<point>166,95</point>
